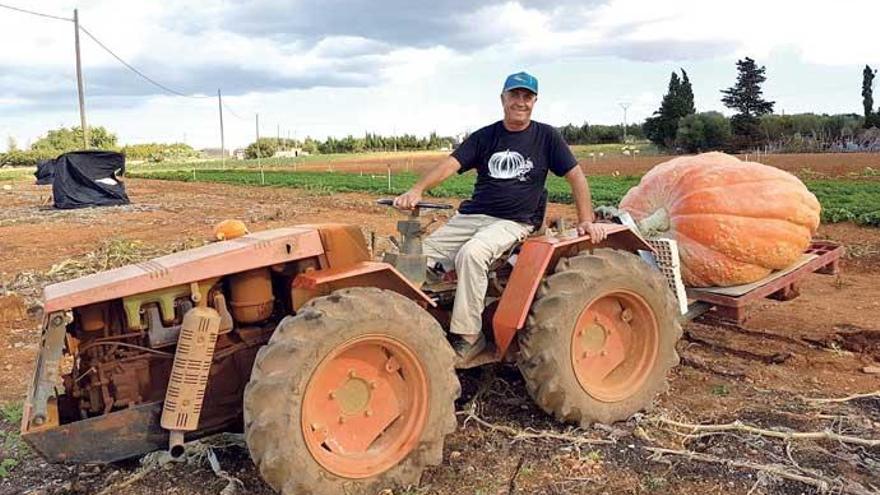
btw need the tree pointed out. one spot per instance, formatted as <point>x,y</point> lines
<point>686,96</point>
<point>678,102</point>
<point>747,98</point>
<point>71,139</point>
<point>872,119</point>
<point>703,132</point>
<point>746,95</point>
<point>11,144</point>
<point>263,148</point>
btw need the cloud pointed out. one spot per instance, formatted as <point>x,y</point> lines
<point>395,22</point>
<point>273,45</point>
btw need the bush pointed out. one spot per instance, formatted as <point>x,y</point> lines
<point>264,148</point>
<point>703,132</point>
<point>158,152</point>
<point>21,158</point>
<point>65,139</point>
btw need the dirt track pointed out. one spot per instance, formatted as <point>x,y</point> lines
<point>814,346</point>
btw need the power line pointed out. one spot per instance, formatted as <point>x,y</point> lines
<point>234,114</point>
<point>49,16</point>
<point>131,68</point>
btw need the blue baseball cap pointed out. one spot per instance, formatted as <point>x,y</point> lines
<point>521,80</point>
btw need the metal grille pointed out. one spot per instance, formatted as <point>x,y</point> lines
<point>666,258</point>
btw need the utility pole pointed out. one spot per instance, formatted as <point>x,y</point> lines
<point>222,137</point>
<point>624,106</point>
<point>79,82</point>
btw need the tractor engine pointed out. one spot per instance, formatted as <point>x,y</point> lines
<point>121,351</point>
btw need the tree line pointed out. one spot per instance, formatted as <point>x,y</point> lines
<point>266,147</point>
<point>66,139</point>
<point>676,126</point>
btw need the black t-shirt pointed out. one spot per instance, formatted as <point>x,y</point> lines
<point>512,169</point>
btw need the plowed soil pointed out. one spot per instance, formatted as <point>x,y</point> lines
<point>763,374</point>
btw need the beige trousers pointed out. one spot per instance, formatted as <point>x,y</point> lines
<point>471,243</point>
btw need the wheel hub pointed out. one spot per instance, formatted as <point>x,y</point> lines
<point>365,406</point>
<point>353,397</point>
<point>594,337</point>
<point>614,345</point>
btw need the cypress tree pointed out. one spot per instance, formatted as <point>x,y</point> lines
<point>678,102</point>
<point>868,96</point>
<point>686,95</point>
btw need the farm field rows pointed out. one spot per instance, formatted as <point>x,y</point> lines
<point>803,164</point>
<point>842,199</point>
<point>764,374</point>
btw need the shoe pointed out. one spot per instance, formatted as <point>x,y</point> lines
<point>466,350</point>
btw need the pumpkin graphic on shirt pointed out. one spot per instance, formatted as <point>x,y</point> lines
<point>509,165</point>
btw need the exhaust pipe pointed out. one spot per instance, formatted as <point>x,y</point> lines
<point>175,444</point>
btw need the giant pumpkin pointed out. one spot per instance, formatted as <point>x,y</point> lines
<point>734,221</point>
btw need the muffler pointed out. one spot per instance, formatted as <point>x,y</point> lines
<point>189,373</point>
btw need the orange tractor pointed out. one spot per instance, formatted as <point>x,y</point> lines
<point>336,366</point>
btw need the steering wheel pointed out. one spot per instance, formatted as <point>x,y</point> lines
<point>420,204</point>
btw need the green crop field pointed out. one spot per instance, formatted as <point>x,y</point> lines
<point>285,162</point>
<point>842,200</point>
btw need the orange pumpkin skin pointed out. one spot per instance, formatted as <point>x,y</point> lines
<point>230,229</point>
<point>734,221</point>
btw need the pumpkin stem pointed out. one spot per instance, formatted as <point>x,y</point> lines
<point>655,224</point>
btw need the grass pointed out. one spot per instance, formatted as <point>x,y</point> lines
<point>842,200</point>
<point>582,151</point>
<point>720,390</point>
<point>12,412</point>
<point>11,445</point>
<point>15,173</point>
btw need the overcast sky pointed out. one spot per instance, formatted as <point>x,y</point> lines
<point>334,67</point>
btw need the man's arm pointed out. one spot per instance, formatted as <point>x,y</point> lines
<point>432,178</point>
<point>580,190</point>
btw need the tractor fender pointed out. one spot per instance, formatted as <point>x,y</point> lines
<point>316,283</point>
<point>537,257</point>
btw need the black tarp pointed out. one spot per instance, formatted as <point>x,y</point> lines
<point>89,178</point>
<point>45,172</point>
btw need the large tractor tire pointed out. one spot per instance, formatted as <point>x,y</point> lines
<point>352,395</point>
<point>600,338</point>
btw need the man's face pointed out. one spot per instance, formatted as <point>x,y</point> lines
<point>518,104</point>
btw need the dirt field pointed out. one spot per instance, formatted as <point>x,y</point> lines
<point>764,375</point>
<point>812,165</point>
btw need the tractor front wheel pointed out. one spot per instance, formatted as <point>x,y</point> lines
<point>352,395</point>
<point>600,338</point>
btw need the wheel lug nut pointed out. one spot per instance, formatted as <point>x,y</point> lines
<point>341,419</point>
<point>604,353</point>
<point>373,385</point>
<point>368,413</point>
<point>332,395</point>
<point>351,374</point>
<point>626,315</point>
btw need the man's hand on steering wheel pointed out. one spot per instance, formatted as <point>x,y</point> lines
<point>408,200</point>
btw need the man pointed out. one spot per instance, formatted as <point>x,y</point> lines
<point>512,158</point>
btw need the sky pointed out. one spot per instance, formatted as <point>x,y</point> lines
<point>331,67</point>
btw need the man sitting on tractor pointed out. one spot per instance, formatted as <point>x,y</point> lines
<point>511,157</point>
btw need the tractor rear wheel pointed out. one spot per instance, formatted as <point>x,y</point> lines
<point>600,338</point>
<point>352,395</point>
